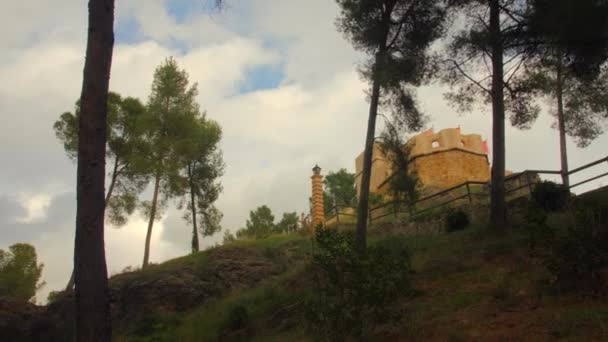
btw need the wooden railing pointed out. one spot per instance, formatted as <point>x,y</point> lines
<point>412,211</point>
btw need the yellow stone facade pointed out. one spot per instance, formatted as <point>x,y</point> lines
<point>441,160</point>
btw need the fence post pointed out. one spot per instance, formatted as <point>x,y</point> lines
<point>529,184</point>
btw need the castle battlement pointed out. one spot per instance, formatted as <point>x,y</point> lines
<point>446,139</point>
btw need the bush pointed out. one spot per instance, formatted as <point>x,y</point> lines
<point>238,318</point>
<point>550,196</point>
<point>537,231</point>
<point>353,292</point>
<point>456,220</point>
<point>576,259</point>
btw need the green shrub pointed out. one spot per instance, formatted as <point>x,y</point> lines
<point>577,258</point>
<point>456,220</point>
<point>537,230</point>
<point>550,196</point>
<point>353,292</point>
<point>238,318</point>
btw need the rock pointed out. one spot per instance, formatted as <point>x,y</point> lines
<point>162,290</point>
<point>24,321</point>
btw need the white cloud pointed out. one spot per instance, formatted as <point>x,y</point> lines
<point>35,206</point>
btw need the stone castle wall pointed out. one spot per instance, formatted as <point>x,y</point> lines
<point>381,169</point>
<point>444,169</point>
<point>441,160</point>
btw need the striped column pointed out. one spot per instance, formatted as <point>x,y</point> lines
<point>318,212</point>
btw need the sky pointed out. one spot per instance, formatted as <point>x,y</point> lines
<point>276,75</point>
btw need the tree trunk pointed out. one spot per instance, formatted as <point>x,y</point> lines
<point>562,125</point>
<point>112,181</point>
<point>151,222</point>
<point>195,246</point>
<point>498,208</point>
<point>70,284</point>
<point>362,209</point>
<point>92,306</point>
<point>363,206</point>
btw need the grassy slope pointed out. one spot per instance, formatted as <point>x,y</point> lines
<point>473,285</point>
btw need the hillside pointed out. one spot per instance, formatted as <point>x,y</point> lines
<point>471,285</point>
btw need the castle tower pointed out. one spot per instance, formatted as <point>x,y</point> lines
<point>318,212</point>
<point>440,160</point>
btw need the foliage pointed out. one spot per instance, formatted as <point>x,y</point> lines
<point>538,231</point>
<point>456,220</point>
<point>20,272</point>
<point>354,291</point>
<point>396,35</point>
<point>577,258</point>
<point>228,237</point>
<point>53,296</point>
<point>550,196</point>
<point>584,101</point>
<point>202,165</point>
<point>403,181</point>
<point>340,189</point>
<point>260,223</point>
<point>288,223</point>
<point>125,149</point>
<point>468,71</point>
<point>578,29</point>
<point>375,200</point>
<point>238,318</point>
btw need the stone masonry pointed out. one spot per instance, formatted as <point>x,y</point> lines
<point>440,160</point>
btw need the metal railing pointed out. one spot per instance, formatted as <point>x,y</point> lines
<point>444,200</point>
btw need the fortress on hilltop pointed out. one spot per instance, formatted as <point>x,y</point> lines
<point>441,160</point>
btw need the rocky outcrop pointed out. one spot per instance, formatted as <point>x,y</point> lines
<point>161,289</point>
<point>24,321</point>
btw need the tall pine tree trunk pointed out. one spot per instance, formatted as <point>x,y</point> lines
<point>195,246</point>
<point>363,207</point>
<point>498,208</point>
<point>561,124</point>
<point>93,321</point>
<point>151,221</point>
<point>112,181</point>
<point>70,284</point>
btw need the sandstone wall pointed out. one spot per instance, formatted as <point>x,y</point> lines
<point>380,169</point>
<point>444,169</point>
<point>441,160</point>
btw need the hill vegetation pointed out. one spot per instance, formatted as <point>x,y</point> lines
<point>471,284</point>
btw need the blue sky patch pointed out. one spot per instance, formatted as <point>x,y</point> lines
<point>180,10</point>
<point>127,30</point>
<point>263,77</point>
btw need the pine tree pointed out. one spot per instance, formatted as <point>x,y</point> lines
<point>171,111</point>
<point>396,34</point>
<point>202,166</point>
